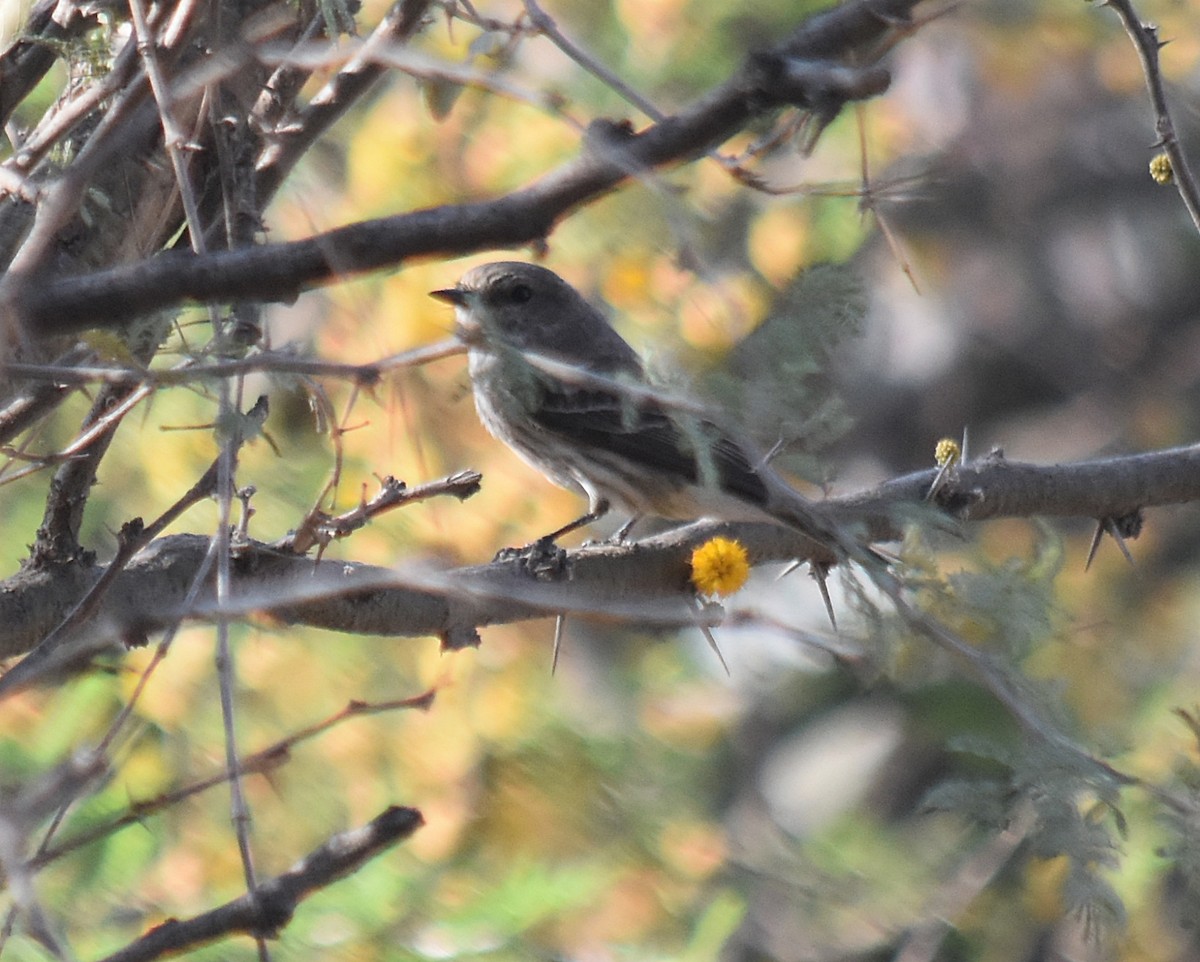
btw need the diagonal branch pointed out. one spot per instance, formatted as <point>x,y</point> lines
<point>291,141</point>
<point>262,762</point>
<point>24,63</point>
<point>274,903</point>
<point>807,71</point>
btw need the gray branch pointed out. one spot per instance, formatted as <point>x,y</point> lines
<point>265,911</point>
<point>647,581</point>
<point>808,70</point>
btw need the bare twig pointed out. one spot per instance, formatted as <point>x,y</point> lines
<point>264,913</point>
<point>289,143</point>
<point>62,372</point>
<point>21,811</point>
<point>259,762</point>
<point>548,28</point>
<point>177,143</point>
<point>319,528</point>
<point>117,401</point>
<point>227,462</point>
<point>1145,40</point>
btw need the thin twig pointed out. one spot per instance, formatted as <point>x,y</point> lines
<point>226,487</point>
<point>259,762</point>
<point>262,914</point>
<point>1146,42</point>
<point>955,895</point>
<point>320,528</point>
<point>269,362</point>
<point>548,28</point>
<point>402,21</point>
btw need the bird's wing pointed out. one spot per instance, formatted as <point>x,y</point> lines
<point>676,444</point>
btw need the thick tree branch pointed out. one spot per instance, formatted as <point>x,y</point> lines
<point>22,65</point>
<point>996,488</point>
<point>807,70</point>
<point>646,581</point>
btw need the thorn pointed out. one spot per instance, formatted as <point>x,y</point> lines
<point>788,570</point>
<point>820,573</point>
<point>1119,538</point>
<point>1127,526</point>
<point>948,459</point>
<point>559,620</point>
<point>1094,545</point>
<point>770,456</point>
<point>939,480</point>
<point>712,643</point>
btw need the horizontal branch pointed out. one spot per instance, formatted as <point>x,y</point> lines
<point>1104,489</point>
<point>647,581</point>
<point>808,70</point>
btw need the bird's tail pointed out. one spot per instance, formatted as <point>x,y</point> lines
<point>789,507</point>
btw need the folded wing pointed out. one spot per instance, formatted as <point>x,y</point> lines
<point>680,446</point>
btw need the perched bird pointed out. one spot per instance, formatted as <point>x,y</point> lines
<point>555,382</point>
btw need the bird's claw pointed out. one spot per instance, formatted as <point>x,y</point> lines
<point>543,559</point>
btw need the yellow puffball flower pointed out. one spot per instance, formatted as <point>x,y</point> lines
<point>1161,169</point>
<point>720,567</point>
<point>947,452</point>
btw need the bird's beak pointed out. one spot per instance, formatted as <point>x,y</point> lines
<point>467,329</point>
<point>451,295</point>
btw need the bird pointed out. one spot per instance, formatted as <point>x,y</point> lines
<point>554,381</point>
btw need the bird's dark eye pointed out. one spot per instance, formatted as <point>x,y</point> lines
<point>521,294</point>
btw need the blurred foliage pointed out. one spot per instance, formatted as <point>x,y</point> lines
<point>640,805</point>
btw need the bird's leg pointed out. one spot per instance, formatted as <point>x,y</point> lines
<point>617,538</point>
<point>597,511</point>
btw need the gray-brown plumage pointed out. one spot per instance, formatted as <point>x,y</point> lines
<point>597,428</point>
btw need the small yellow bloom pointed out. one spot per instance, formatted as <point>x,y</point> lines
<point>720,567</point>
<point>1161,170</point>
<point>947,452</point>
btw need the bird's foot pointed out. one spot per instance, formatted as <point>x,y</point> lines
<point>543,559</point>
